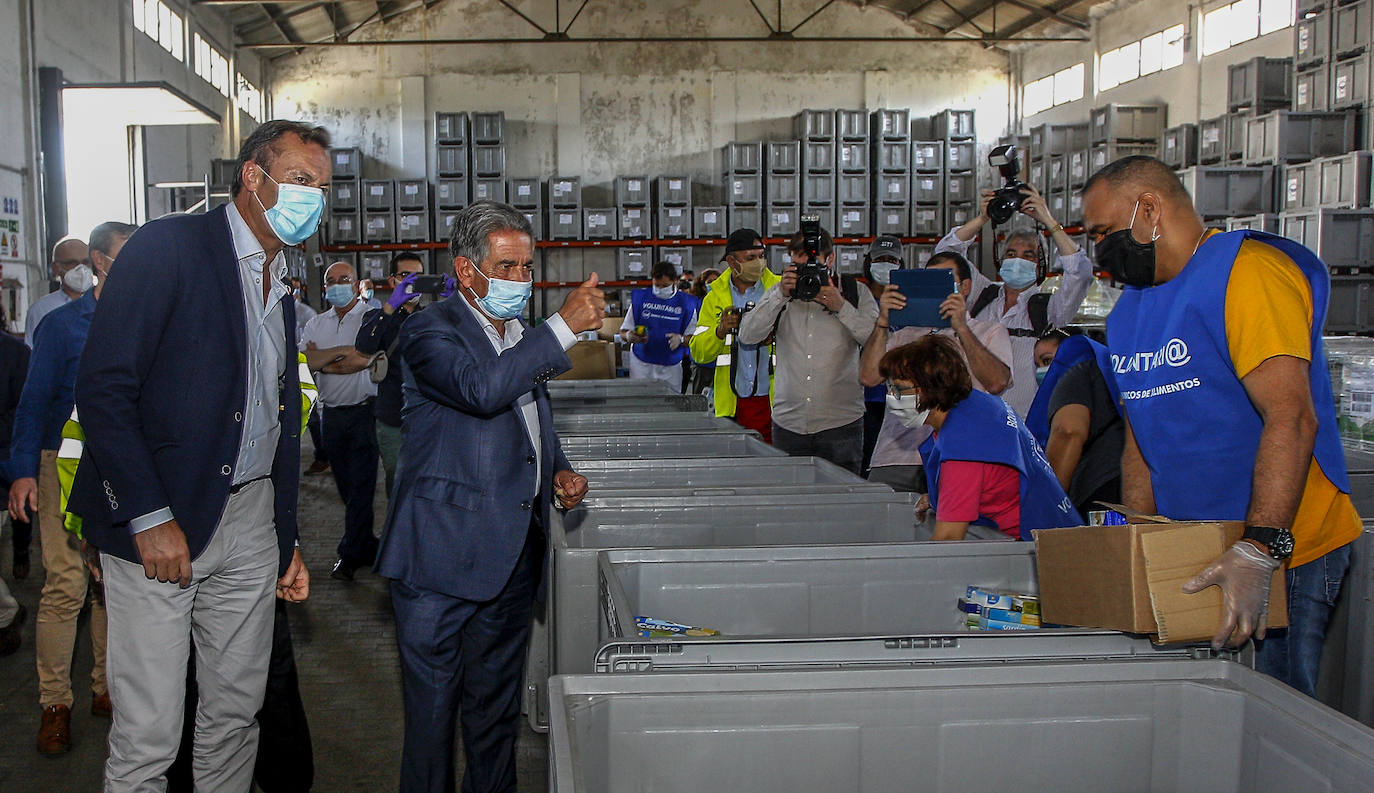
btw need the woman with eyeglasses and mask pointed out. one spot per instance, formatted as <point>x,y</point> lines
<point>982,465</point>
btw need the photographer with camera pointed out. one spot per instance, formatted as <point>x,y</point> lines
<point>660,319</point>
<point>742,379</point>
<point>820,320</point>
<point>1017,303</point>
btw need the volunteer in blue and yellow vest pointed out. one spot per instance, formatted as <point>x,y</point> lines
<point>668,316</point>
<point>981,464</point>
<point>742,388</point>
<point>1216,347</point>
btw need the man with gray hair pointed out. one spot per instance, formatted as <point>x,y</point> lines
<point>71,266</point>
<point>480,466</point>
<point>1017,303</point>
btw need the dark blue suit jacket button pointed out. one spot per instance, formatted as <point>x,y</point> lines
<point>525,505</point>
<point>530,459</point>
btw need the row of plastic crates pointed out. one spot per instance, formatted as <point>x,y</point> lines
<point>1332,33</point>
<point>746,189</point>
<point>1341,182</point>
<point>1343,238</point>
<point>1259,84</point>
<point>637,223</point>
<point>1106,124</point>
<point>1336,85</point>
<point>886,124</point>
<point>475,127</point>
<point>1071,171</point>
<point>821,157</point>
<point>477,159</point>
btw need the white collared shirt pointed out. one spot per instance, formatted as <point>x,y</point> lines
<point>514,332</point>
<point>331,330</point>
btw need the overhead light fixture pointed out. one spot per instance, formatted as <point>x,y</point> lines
<point>133,104</point>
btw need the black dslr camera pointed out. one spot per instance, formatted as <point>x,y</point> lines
<point>1007,199</point>
<point>812,275</point>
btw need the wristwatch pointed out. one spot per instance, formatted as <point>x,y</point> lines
<point>1278,541</point>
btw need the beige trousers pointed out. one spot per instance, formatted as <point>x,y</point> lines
<point>64,593</point>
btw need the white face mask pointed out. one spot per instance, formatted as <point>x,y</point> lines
<point>903,408</point>
<point>665,292</point>
<point>882,271</point>
<point>80,278</point>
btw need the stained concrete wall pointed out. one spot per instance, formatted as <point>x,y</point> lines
<point>1196,90</point>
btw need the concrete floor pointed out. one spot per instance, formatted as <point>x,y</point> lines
<point>345,651</point>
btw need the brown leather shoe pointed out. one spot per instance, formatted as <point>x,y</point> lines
<point>55,732</point>
<point>316,468</point>
<point>100,705</point>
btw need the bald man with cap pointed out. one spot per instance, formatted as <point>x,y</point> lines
<point>1216,347</point>
<point>347,424</point>
<point>71,266</point>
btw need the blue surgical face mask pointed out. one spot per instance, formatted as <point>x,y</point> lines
<point>1040,372</point>
<point>1017,273</point>
<point>339,295</point>
<point>505,299</point>
<point>367,294</point>
<point>296,215</point>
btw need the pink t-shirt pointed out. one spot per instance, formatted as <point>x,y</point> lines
<point>970,490</point>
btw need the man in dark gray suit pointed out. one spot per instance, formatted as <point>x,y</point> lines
<point>467,527</point>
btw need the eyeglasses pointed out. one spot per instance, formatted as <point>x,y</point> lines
<point>336,281</point>
<point>896,390</point>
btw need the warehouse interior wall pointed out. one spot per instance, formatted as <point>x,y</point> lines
<point>1193,91</point>
<point>597,110</point>
<point>97,43</point>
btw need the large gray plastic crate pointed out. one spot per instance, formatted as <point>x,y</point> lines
<point>1104,153</point>
<point>450,127</point>
<point>680,256</point>
<point>1211,144</point>
<point>1127,122</point>
<point>489,159</point>
<point>784,188</point>
<point>345,228</point>
<point>961,155</point>
<point>379,195</point>
<point>854,222</point>
<point>708,222</point>
<point>412,194</point>
<point>632,403</point>
<point>489,127</point>
<point>1344,180</point>
<point>673,191</point>
<point>1300,187</point>
<point>379,227</point>
<point>565,191</point>
<point>489,188</point>
<point>1269,223</point>
<point>701,472</point>
<point>783,156</point>
<point>849,259</point>
<point>1259,82</point>
<point>818,188</point>
<point>744,217</point>
<point>928,188</point>
<point>782,220</point>
<point>1220,191</point>
<point>636,223</point>
<point>632,191</point>
<point>600,223</point>
<point>814,125</point>
<point>1350,28</point>
<point>1057,171</point>
<point>565,224</point>
<point>559,389</point>
<point>812,606</point>
<point>743,189</point>
<point>891,188</point>
<point>343,197</point>
<point>674,223</point>
<point>852,188</point>
<point>524,193</point>
<point>818,156</point>
<point>636,422</point>
<point>953,124</point>
<point>631,264</point>
<point>451,160</point>
<point>852,125</point>
<point>1312,39</point>
<point>451,193</point>
<point>413,226</point>
<point>1048,727</point>
<point>346,163</point>
<point>927,221</point>
<point>1288,136</point>
<point>890,124</point>
<point>852,157</point>
<point>1350,84</point>
<point>659,521</point>
<point>961,188</point>
<point>1350,308</point>
<point>1341,237</point>
<point>1312,88</point>
<point>740,157</point>
<point>896,220</point>
<point>892,156</point>
<point>1178,148</point>
<point>1064,138</point>
<point>744,443</point>
<point>928,156</point>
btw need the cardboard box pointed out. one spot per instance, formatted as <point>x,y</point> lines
<point>591,360</point>
<point>610,328</point>
<point>1129,578</point>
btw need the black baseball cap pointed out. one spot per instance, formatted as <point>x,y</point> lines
<point>885,245</point>
<point>742,240</point>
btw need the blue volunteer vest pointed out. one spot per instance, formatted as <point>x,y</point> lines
<point>875,393</point>
<point>1194,423</point>
<point>1072,351</point>
<point>985,429</point>
<point>661,317</point>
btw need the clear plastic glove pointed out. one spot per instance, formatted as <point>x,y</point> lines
<point>674,340</point>
<point>402,293</point>
<point>1243,573</point>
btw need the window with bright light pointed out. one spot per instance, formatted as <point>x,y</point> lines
<point>1065,85</point>
<point>1154,53</point>
<point>162,25</point>
<point>249,99</point>
<point>212,67</point>
<point>1243,20</point>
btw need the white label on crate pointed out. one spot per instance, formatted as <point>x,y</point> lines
<point>851,217</point>
<point>675,229</point>
<point>675,212</point>
<point>412,189</point>
<point>739,188</point>
<point>894,187</point>
<point>341,159</point>
<point>1211,136</point>
<point>522,190</point>
<point>565,219</point>
<point>409,221</point>
<point>893,218</point>
<point>1292,199</point>
<point>710,217</point>
<point>1304,35</point>
<point>1361,404</point>
<point>634,185</point>
<point>345,224</point>
<point>345,191</point>
<point>376,189</point>
<point>594,221</point>
<point>377,223</point>
<point>674,184</point>
<point>954,187</point>
<point>927,184</point>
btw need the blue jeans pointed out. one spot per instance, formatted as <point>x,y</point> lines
<point>1293,654</point>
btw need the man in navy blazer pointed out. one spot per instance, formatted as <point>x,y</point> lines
<point>189,397</point>
<point>467,526</point>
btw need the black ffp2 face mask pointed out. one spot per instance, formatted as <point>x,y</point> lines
<point>1130,261</point>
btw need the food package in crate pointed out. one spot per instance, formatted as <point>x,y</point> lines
<point>1097,303</point>
<point>984,609</point>
<point>1350,361</point>
<point>650,628</point>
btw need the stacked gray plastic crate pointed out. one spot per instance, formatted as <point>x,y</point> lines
<point>890,168</point>
<point>783,188</point>
<point>742,175</point>
<point>674,219</point>
<point>1060,164</point>
<point>636,223</point>
<point>345,226</point>
<point>452,187</point>
<point>565,208</point>
<point>956,131</point>
<point>488,150</point>
<point>853,178</point>
<point>1118,131</point>
<point>815,133</point>
<point>527,195</point>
